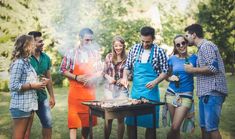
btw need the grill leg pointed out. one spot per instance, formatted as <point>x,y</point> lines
<point>90,124</point>
<point>135,125</point>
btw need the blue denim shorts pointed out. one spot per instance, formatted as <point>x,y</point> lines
<point>210,111</point>
<point>16,113</point>
<point>44,113</point>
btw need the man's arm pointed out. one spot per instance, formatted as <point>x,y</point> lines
<point>161,67</point>
<point>159,79</point>
<point>208,54</point>
<point>50,89</point>
<point>197,70</point>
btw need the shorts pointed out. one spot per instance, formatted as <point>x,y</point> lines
<point>210,111</point>
<point>16,113</point>
<point>187,102</point>
<point>44,113</point>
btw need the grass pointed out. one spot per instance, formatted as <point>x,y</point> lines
<point>60,130</point>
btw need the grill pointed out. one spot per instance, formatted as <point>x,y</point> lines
<point>120,109</point>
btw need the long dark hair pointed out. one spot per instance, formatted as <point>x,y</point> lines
<point>114,54</point>
<point>175,50</point>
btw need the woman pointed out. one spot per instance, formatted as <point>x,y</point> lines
<point>113,73</point>
<point>78,67</point>
<point>23,85</point>
<point>179,96</point>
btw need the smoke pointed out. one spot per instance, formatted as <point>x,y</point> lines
<point>70,17</point>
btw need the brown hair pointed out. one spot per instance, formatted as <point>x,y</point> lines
<point>20,46</point>
<point>175,50</point>
<point>123,54</point>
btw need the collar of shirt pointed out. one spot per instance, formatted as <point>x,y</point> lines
<point>201,43</point>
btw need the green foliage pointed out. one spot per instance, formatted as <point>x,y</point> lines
<point>218,19</point>
<point>4,85</point>
<point>57,79</point>
<point>114,22</point>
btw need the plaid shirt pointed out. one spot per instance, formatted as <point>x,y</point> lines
<point>75,55</point>
<point>115,71</point>
<point>21,72</point>
<point>208,55</point>
<point>68,62</point>
<point>159,61</point>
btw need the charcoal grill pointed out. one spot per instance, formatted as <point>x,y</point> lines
<point>120,112</point>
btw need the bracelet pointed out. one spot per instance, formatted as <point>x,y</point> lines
<point>76,77</point>
<point>30,86</point>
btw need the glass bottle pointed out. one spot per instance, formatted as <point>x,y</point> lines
<point>177,83</point>
<point>186,60</point>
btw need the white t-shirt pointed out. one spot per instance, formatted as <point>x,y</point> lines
<point>145,56</point>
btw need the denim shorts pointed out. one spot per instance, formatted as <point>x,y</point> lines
<point>16,113</point>
<point>44,113</point>
<point>210,111</point>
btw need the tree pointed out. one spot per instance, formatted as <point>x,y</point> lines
<point>218,18</point>
<point>114,20</point>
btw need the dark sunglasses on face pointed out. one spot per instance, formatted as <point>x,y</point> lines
<point>179,44</point>
<point>89,40</point>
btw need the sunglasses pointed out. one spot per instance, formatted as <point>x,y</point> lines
<point>183,43</point>
<point>89,40</point>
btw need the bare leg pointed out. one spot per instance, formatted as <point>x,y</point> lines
<point>179,115</point>
<point>46,133</point>
<point>215,134</point>
<point>149,133</point>
<point>85,132</point>
<point>28,131</point>
<point>73,133</point>
<point>108,128</point>
<point>20,127</point>
<point>205,135</point>
<point>121,128</point>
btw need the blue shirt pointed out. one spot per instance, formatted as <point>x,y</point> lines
<point>185,79</point>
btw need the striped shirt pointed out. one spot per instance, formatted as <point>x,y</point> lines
<point>21,72</point>
<point>159,61</point>
<point>208,55</point>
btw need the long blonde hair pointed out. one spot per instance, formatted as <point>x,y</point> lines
<point>114,54</point>
<point>20,47</point>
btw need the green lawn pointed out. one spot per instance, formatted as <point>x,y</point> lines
<point>60,130</point>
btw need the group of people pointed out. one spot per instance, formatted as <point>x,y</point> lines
<point>146,65</point>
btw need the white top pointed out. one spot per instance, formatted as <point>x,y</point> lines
<point>145,56</point>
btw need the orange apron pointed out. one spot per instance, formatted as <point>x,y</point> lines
<point>78,114</point>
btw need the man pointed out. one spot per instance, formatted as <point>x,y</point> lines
<point>211,81</point>
<point>78,66</point>
<point>148,62</point>
<point>41,62</point>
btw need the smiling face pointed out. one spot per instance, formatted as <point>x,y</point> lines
<point>180,45</point>
<point>118,47</point>
<point>39,44</point>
